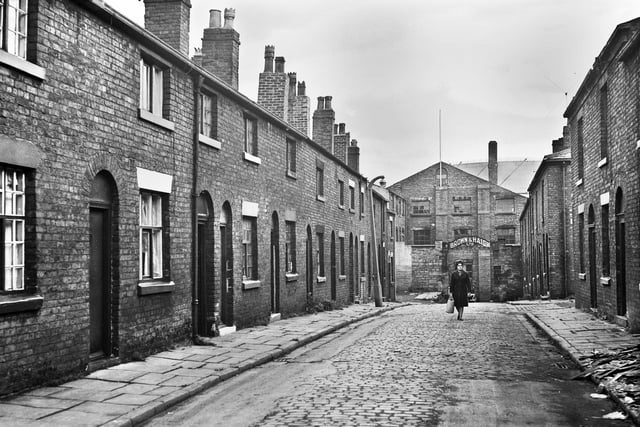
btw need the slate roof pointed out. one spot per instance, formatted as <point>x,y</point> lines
<point>512,175</point>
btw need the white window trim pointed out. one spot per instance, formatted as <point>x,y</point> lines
<point>22,65</point>
<point>214,143</point>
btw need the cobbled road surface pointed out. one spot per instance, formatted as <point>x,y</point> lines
<point>413,366</point>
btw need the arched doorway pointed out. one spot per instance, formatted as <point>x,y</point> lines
<point>103,298</point>
<point>309,258</point>
<point>334,268</point>
<point>621,267</point>
<point>275,264</point>
<point>593,279</point>
<point>226,265</point>
<point>206,292</point>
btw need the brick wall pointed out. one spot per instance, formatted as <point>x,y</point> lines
<point>615,177</point>
<point>83,120</point>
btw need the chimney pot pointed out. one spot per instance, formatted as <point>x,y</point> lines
<point>320,103</point>
<point>302,89</point>
<point>269,52</point>
<point>215,18</point>
<point>336,129</point>
<point>279,64</point>
<point>327,102</point>
<point>229,16</point>
<point>341,127</point>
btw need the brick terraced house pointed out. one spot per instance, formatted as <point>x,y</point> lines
<point>603,122</point>
<point>453,214</point>
<point>146,201</point>
<point>545,228</point>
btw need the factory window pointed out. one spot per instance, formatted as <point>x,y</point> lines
<point>506,235</point>
<point>422,236</point>
<point>461,205</point>
<point>505,206</point>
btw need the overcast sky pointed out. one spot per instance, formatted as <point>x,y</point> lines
<point>500,70</point>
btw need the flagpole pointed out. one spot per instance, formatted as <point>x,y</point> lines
<point>440,142</point>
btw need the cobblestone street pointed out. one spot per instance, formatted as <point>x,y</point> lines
<point>424,367</point>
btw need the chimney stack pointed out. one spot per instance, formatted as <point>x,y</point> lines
<point>493,162</point>
<point>323,120</point>
<point>557,145</point>
<point>354,156</point>
<point>169,21</point>
<point>273,87</point>
<point>221,47</point>
<point>341,142</point>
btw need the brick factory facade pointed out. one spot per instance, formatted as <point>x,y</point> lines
<point>604,130</point>
<point>147,201</point>
<point>453,214</point>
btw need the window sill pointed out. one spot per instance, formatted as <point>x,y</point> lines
<point>152,288</point>
<point>460,214</point>
<point>602,162</point>
<point>579,182</point>
<point>210,141</point>
<point>342,278</point>
<point>20,303</point>
<point>321,279</point>
<point>251,284</point>
<point>420,214</point>
<point>291,277</point>
<point>156,120</point>
<point>21,65</point>
<point>605,281</point>
<point>291,174</point>
<point>341,207</point>
<point>320,198</point>
<point>423,245</point>
<point>251,158</point>
<point>505,213</point>
<point>582,276</point>
<point>351,210</point>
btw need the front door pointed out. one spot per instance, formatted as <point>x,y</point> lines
<point>203,300</point>
<point>334,268</point>
<point>593,280</point>
<point>226,279</point>
<point>275,268</point>
<point>621,271</point>
<point>99,283</point>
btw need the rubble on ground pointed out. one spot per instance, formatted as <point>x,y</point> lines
<point>617,372</point>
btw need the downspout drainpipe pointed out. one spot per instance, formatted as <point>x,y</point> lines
<point>197,83</point>
<point>564,231</point>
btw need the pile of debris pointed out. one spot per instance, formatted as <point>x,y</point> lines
<point>617,373</point>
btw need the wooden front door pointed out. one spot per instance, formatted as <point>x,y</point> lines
<point>226,279</point>
<point>621,268</point>
<point>593,279</point>
<point>99,283</point>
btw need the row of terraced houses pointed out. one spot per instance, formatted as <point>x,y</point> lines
<point>579,227</point>
<point>145,201</point>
